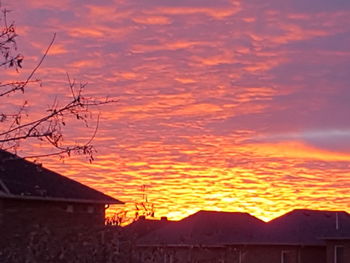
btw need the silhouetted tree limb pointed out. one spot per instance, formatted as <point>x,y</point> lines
<point>19,126</point>
<point>142,208</point>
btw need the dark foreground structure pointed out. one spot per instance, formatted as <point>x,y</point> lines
<point>32,195</point>
<point>301,236</point>
<point>46,217</point>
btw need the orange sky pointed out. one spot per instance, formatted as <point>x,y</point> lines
<point>223,105</point>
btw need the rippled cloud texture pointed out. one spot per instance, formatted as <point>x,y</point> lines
<point>223,105</point>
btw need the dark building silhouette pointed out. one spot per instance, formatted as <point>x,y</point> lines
<point>300,236</point>
<point>33,195</point>
<point>143,226</point>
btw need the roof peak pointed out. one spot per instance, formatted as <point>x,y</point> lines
<point>218,215</point>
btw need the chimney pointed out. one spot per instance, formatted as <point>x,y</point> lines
<point>142,218</point>
<point>163,219</point>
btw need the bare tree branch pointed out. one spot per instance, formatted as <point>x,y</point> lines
<point>20,126</point>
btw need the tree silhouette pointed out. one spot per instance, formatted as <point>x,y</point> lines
<point>20,126</point>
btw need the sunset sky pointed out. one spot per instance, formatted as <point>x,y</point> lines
<point>225,105</point>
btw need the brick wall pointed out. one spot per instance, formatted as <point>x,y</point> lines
<point>332,244</point>
<point>232,254</point>
<point>19,215</point>
<point>273,254</point>
<point>315,254</point>
<point>1,212</point>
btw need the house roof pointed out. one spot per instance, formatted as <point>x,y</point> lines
<point>22,179</point>
<point>298,227</point>
<point>208,228</point>
<point>143,226</point>
<point>308,227</point>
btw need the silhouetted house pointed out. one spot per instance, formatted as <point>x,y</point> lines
<point>201,237</point>
<point>33,195</point>
<point>142,226</point>
<point>313,236</point>
<point>301,236</point>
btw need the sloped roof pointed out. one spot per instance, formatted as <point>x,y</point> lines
<point>298,227</point>
<point>143,226</point>
<point>208,228</point>
<point>308,227</point>
<point>22,179</point>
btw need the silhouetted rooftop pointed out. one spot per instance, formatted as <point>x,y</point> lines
<point>22,179</point>
<point>143,226</point>
<point>208,228</point>
<point>298,227</point>
<point>303,226</point>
